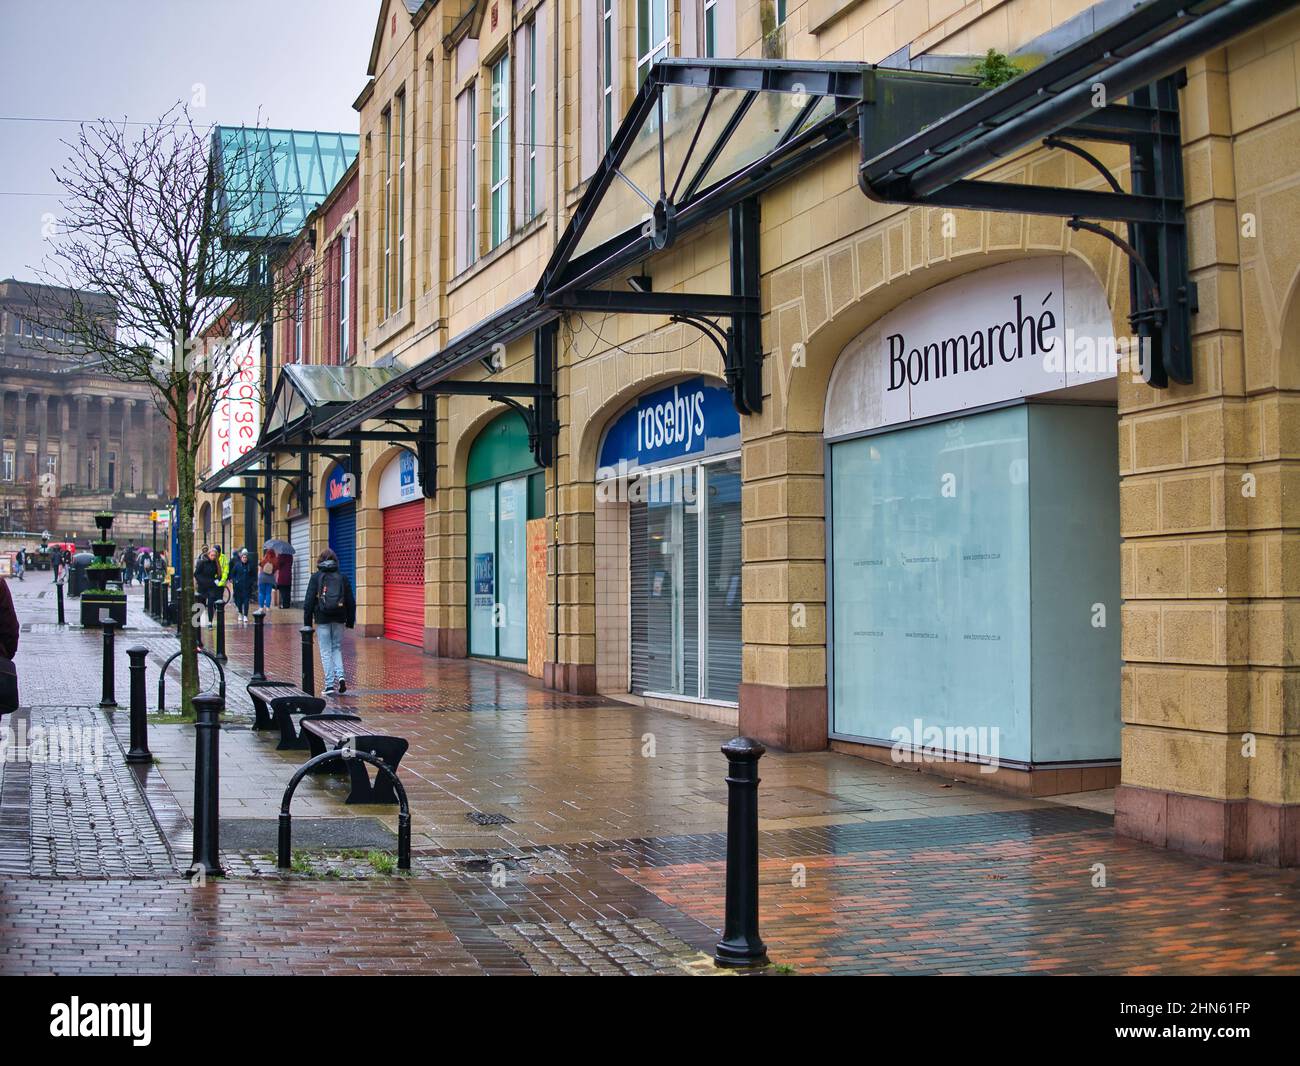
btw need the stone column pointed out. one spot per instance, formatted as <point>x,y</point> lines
<point>4,421</point>
<point>1210,501</point>
<point>150,446</point>
<point>64,463</point>
<point>20,441</point>
<point>105,403</point>
<point>81,467</point>
<point>42,432</point>
<point>131,448</point>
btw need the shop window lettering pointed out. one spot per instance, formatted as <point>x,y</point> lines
<point>621,485</point>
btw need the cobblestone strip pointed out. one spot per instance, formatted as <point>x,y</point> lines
<point>88,818</point>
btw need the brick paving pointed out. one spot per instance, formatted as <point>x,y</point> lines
<point>603,853</point>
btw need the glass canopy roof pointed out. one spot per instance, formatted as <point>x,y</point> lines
<point>704,134</point>
<point>305,393</point>
<point>273,179</point>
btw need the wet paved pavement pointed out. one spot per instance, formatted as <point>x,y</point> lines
<point>608,855</point>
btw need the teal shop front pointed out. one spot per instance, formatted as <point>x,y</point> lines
<point>973,544</point>
<point>506,488</point>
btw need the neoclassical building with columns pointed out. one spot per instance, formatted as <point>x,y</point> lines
<point>98,442</point>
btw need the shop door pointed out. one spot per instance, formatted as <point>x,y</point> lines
<point>343,539</point>
<point>404,573</point>
<point>300,538</point>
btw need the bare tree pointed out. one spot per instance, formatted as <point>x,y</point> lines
<point>161,274</point>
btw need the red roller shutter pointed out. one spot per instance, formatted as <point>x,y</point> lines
<point>404,573</point>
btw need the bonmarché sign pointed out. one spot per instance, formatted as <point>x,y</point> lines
<point>1019,329</point>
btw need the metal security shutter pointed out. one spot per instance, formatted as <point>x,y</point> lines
<point>638,596</point>
<point>404,573</point>
<point>343,539</point>
<point>300,538</point>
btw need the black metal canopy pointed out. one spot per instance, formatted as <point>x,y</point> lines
<point>1073,96</point>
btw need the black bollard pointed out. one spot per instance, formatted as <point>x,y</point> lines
<point>740,944</point>
<point>207,805</point>
<point>259,645</point>
<point>108,701</point>
<point>220,646</point>
<point>308,670</point>
<point>139,710</point>
<point>58,589</point>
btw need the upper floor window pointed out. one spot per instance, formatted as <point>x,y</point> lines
<point>531,205</point>
<point>345,296</point>
<point>651,35</point>
<point>386,217</point>
<point>499,204</point>
<point>299,321</point>
<point>607,68</point>
<point>467,175</point>
<point>710,28</point>
<point>400,285</point>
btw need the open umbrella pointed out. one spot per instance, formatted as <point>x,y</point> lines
<point>280,547</point>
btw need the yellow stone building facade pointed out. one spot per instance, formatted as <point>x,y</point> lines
<point>453,228</point>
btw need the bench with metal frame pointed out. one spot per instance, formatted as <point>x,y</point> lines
<point>274,705</point>
<point>326,732</point>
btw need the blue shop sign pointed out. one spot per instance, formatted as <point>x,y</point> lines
<point>406,472</point>
<point>341,488</point>
<point>693,418</point>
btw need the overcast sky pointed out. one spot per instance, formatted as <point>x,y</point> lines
<point>300,63</point>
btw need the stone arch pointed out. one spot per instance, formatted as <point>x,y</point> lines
<point>608,407</point>
<point>370,486</point>
<point>205,521</point>
<point>459,449</point>
<point>799,399</point>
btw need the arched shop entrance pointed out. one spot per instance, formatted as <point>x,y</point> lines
<point>506,489</point>
<point>402,507</point>
<point>973,543</point>
<point>668,586</point>
<point>341,507</point>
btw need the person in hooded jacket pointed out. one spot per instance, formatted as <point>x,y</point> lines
<point>243,576</point>
<point>332,606</point>
<point>206,572</point>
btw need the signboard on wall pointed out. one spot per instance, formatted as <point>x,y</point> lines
<point>340,488</point>
<point>399,482</point>
<point>1019,329</point>
<point>237,416</point>
<point>691,419</point>
<point>485,579</point>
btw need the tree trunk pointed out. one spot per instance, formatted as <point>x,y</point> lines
<point>185,571</point>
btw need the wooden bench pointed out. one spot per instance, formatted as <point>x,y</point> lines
<point>338,732</point>
<point>274,705</point>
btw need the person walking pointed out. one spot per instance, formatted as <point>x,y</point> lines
<point>331,605</point>
<point>266,579</point>
<point>128,564</point>
<point>206,572</point>
<point>20,563</point>
<point>242,578</point>
<point>284,577</point>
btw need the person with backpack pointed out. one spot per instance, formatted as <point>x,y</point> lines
<point>331,605</point>
<point>128,564</point>
<point>266,578</point>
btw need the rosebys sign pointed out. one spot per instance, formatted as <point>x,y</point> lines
<point>694,418</point>
<point>1019,329</point>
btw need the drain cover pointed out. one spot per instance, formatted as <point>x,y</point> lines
<point>487,818</point>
